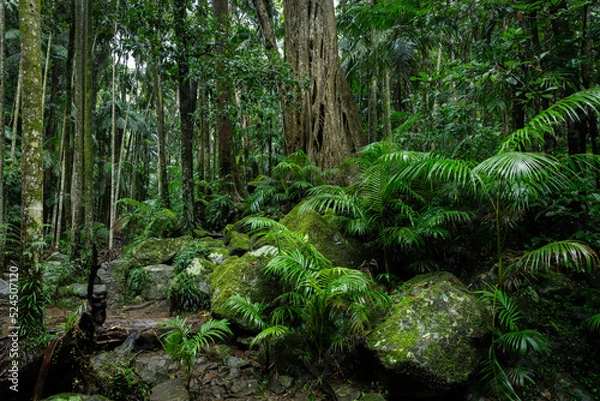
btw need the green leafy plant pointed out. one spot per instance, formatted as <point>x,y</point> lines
<point>184,293</point>
<point>34,296</point>
<point>592,323</point>
<point>119,380</point>
<point>331,306</point>
<point>183,344</point>
<point>218,211</point>
<point>188,253</point>
<point>137,281</point>
<point>510,342</point>
<point>147,219</point>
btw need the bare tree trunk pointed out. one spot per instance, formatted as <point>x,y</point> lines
<point>327,127</point>
<point>15,114</point>
<point>187,106</point>
<point>113,145</point>
<point>32,134</point>
<point>88,140</point>
<point>2,136</point>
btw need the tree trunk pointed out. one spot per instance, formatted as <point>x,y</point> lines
<point>187,106</point>
<point>327,127</point>
<point>88,140</point>
<point>32,131</point>
<point>227,161</point>
<point>2,137</point>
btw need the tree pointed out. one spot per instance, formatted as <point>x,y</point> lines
<point>326,127</point>
<point>83,161</point>
<point>2,137</point>
<point>32,139</point>
<point>187,107</point>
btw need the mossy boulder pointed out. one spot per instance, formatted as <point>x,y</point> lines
<point>432,332</point>
<point>243,276</point>
<point>324,234</point>
<point>237,243</point>
<point>158,250</point>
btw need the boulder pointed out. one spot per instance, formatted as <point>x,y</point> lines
<point>79,290</point>
<point>4,288</point>
<point>237,243</point>
<point>158,250</point>
<point>240,275</point>
<point>430,337</point>
<point>158,281</point>
<point>324,234</point>
<point>172,390</point>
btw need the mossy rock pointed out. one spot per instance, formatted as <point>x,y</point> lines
<point>158,279</point>
<point>76,397</point>
<point>324,234</point>
<point>242,276</point>
<point>237,243</point>
<point>432,332</point>
<point>158,250</point>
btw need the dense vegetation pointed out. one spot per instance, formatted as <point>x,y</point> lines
<point>478,154</point>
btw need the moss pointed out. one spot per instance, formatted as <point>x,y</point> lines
<point>431,330</point>
<point>324,234</point>
<point>243,276</point>
<point>158,250</point>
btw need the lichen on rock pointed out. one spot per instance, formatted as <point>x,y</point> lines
<point>243,276</point>
<point>432,331</point>
<point>158,250</point>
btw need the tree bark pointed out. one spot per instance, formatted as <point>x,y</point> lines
<point>2,137</point>
<point>32,132</point>
<point>327,126</point>
<point>187,106</point>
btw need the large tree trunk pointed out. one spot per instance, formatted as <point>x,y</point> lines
<point>327,127</point>
<point>187,106</point>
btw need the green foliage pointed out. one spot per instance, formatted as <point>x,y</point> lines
<point>218,212</point>
<point>182,344</point>
<point>188,253</point>
<point>333,307</point>
<point>143,220</point>
<point>592,323</point>
<point>509,343</point>
<point>119,381</point>
<point>137,281</point>
<point>184,293</point>
<point>33,298</point>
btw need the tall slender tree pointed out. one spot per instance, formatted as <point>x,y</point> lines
<point>32,131</point>
<point>2,137</point>
<point>187,107</point>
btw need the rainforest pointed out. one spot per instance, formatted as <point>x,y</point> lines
<point>350,200</point>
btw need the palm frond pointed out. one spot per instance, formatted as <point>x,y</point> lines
<point>520,376</point>
<point>522,341</point>
<point>592,323</point>
<point>544,122</point>
<point>333,197</point>
<point>574,255</point>
<point>458,172</point>
<point>251,313</point>
<point>211,331</point>
<point>496,381</point>
<point>269,333</point>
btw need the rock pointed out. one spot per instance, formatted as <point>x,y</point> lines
<point>159,276</point>
<point>237,243</point>
<point>202,269</point>
<point>80,290</point>
<point>431,334</point>
<point>323,233</point>
<point>218,256</point>
<point>158,250</point>
<point>345,392</point>
<point>172,390</point>
<point>372,397</point>
<point>76,397</point>
<point>243,276</point>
